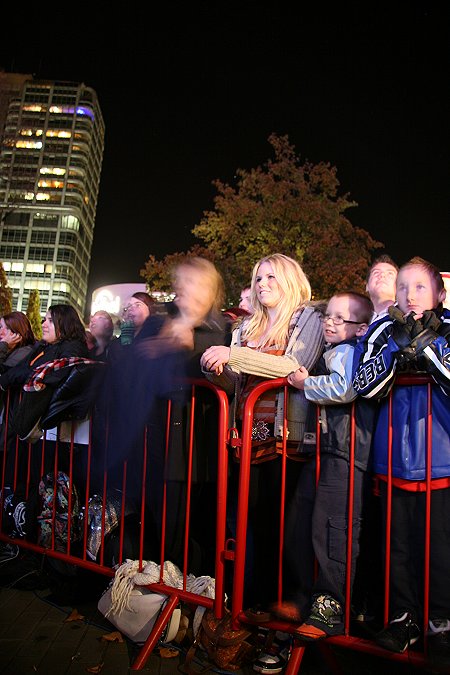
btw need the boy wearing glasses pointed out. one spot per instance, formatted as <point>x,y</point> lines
<point>320,514</point>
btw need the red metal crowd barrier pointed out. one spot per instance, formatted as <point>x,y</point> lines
<point>19,457</point>
<point>227,551</point>
<point>413,657</point>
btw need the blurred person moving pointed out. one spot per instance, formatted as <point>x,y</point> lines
<point>193,322</point>
<point>116,418</point>
<point>101,327</point>
<point>168,352</point>
<point>282,334</point>
<point>165,351</point>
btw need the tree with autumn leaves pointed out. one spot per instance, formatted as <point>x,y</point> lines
<point>5,293</point>
<point>34,312</point>
<point>284,206</point>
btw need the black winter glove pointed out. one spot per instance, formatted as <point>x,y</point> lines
<point>429,320</point>
<point>425,331</point>
<point>401,327</point>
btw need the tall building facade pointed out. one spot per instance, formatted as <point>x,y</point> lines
<point>50,164</point>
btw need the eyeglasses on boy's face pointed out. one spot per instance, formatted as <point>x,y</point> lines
<point>337,320</point>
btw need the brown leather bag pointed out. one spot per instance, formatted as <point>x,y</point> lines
<point>225,647</point>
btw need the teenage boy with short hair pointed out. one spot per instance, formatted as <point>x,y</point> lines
<point>380,284</point>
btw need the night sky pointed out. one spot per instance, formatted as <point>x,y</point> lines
<point>191,95</point>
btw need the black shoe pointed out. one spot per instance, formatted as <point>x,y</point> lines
<point>399,634</point>
<point>439,643</point>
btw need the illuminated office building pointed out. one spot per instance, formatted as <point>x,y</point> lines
<point>50,164</point>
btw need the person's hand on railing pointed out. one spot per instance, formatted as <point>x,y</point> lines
<point>215,358</point>
<point>298,377</point>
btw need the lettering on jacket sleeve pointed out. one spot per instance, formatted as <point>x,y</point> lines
<point>369,373</point>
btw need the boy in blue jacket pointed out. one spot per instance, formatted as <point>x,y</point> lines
<point>412,338</point>
<point>320,514</point>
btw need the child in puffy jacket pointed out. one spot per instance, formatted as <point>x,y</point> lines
<point>413,338</point>
<point>320,513</point>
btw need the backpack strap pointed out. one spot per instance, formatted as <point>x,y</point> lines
<point>187,666</point>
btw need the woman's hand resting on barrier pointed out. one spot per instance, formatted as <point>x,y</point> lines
<point>214,359</point>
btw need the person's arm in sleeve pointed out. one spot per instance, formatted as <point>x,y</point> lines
<point>246,360</point>
<point>336,386</point>
<point>304,348</point>
<point>18,374</point>
<point>307,338</point>
<point>432,344</point>
<point>375,360</point>
<point>438,358</point>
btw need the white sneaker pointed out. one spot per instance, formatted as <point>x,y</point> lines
<point>271,663</point>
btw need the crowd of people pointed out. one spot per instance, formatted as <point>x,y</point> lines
<point>340,357</point>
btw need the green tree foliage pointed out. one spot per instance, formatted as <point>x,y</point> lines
<point>289,207</point>
<point>158,273</point>
<point>33,313</point>
<point>5,293</point>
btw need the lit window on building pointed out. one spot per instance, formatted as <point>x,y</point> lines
<point>57,133</point>
<point>40,284</point>
<point>30,145</point>
<point>61,287</point>
<point>51,184</point>
<point>37,268</point>
<point>70,223</point>
<point>52,170</point>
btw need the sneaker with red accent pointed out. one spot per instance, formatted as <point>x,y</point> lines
<point>325,619</point>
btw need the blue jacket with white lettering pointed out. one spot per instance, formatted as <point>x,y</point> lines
<point>377,360</point>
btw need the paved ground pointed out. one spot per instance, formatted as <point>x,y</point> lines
<point>36,636</point>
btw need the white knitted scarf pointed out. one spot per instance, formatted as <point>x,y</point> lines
<point>127,577</point>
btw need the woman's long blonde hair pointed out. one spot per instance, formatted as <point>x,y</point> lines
<point>295,294</point>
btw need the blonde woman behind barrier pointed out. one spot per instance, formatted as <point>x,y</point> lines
<point>282,334</point>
